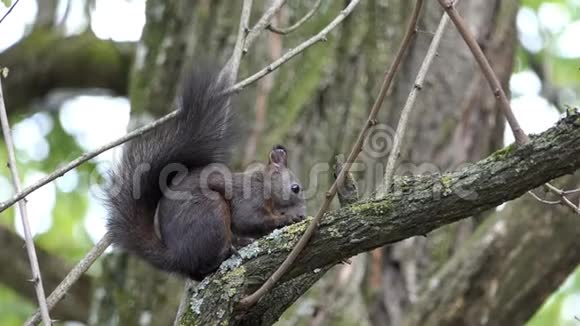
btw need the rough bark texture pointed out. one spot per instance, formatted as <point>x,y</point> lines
<point>75,305</point>
<point>418,205</point>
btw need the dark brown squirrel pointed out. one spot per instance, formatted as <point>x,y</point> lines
<point>176,205</point>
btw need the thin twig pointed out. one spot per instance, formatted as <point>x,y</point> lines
<point>233,66</point>
<point>36,276</point>
<point>295,26</point>
<point>548,202</point>
<point>410,103</point>
<point>321,36</point>
<point>234,89</point>
<point>563,199</point>
<point>73,276</point>
<point>83,158</point>
<point>9,11</point>
<point>250,300</point>
<point>519,135</point>
<point>570,192</point>
<point>263,23</point>
<point>504,104</point>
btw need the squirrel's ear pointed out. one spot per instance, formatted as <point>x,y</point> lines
<point>278,156</point>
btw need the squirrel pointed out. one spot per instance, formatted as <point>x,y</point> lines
<point>176,205</point>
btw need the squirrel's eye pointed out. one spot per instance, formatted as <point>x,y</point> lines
<point>295,188</point>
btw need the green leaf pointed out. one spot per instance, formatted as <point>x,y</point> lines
<point>7,3</point>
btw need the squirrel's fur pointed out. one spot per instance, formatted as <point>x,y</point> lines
<point>195,232</point>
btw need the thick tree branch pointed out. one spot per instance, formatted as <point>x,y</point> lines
<point>76,304</point>
<point>416,206</point>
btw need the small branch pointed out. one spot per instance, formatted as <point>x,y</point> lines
<point>406,112</point>
<point>295,26</point>
<point>547,202</point>
<point>72,277</point>
<point>519,135</point>
<point>263,23</point>
<point>36,276</point>
<point>83,158</point>
<point>233,66</point>
<point>321,36</point>
<point>9,11</point>
<point>389,76</point>
<point>563,199</point>
<point>569,192</point>
<point>76,304</point>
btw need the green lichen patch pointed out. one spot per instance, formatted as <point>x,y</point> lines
<point>503,153</point>
<point>372,208</point>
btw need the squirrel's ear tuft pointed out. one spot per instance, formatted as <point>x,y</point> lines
<point>278,156</point>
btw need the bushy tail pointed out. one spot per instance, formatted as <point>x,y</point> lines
<point>201,134</point>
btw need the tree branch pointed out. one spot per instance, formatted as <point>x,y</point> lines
<point>72,277</point>
<point>77,302</point>
<point>410,103</point>
<point>416,206</point>
<point>30,249</point>
<point>293,27</point>
<point>263,23</point>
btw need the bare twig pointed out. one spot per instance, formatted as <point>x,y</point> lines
<point>548,202</point>
<point>263,23</point>
<point>291,28</point>
<point>233,66</point>
<point>321,36</point>
<point>36,276</point>
<point>234,89</point>
<point>406,112</point>
<point>449,6</point>
<point>570,192</point>
<point>389,76</point>
<point>9,11</point>
<point>264,88</point>
<point>563,199</point>
<point>519,135</point>
<point>83,158</point>
<point>72,277</point>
